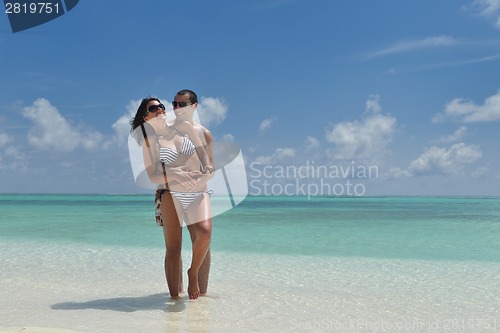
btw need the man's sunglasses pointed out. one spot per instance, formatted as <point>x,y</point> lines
<point>154,108</point>
<point>181,104</point>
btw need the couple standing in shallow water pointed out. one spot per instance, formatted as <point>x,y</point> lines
<point>178,157</point>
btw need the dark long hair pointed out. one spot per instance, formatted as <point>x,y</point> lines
<point>138,119</point>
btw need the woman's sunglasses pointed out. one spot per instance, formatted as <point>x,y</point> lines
<point>154,108</point>
<point>181,104</point>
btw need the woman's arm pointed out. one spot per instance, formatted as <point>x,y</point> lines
<point>157,174</point>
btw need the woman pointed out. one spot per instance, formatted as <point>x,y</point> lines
<point>179,158</point>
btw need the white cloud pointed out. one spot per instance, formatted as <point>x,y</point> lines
<point>16,160</point>
<point>373,104</point>
<point>228,137</point>
<point>4,139</point>
<point>469,112</point>
<point>14,153</point>
<point>449,64</point>
<point>51,131</point>
<point>411,45</point>
<point>398,173</point>
<point>311,143</point>
<point>121,127</point>
<point>480,172</point>
<point>440,161</point>
<point>456,136</point>
<point>489,9</point>
<point>91,140</point>
<point>282,153</point>
<point>266,124</point>
<point>278,155</point>
<point>264,159</point>
<point>367,138</point>
<point>212,111</point>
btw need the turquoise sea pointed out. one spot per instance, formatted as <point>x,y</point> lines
<point>433,228</point>
<point>279,264</point>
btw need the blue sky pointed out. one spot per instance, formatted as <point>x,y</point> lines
<point>410,87</point>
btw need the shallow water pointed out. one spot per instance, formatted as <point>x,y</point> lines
<point>94,264</point>
<point>431,228</point>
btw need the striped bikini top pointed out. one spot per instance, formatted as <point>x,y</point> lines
<point>169,155</point>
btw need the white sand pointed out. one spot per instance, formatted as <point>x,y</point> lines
<point>35,330</point>
<point>106,289</point>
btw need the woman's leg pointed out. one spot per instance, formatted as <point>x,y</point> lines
<point>172,231</point>
<point>200,229</point>
<point>204,271</point>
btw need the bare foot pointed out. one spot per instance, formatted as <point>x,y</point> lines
<point>180,291</point>
<point>193,288</point>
